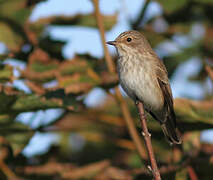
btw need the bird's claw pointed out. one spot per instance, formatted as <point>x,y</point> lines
<point>149,168</point>
<point>144,134</point>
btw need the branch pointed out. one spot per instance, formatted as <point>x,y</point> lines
<point>111,67</point>
<point>209,71</point>
<point>6,170</point>
<point>99,20</point>
<point>147,139</point>
<point>141,15</point>
<point>192,174</point>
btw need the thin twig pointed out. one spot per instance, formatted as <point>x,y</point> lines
<point>111,67</point>
<point>141,15</point>
<point>98,16</point>
<point>192,174</point>
<point>6,170</point>
<point>209,71</point>
<point>147,139</point>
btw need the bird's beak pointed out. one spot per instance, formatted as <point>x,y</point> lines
<point>113,43</point>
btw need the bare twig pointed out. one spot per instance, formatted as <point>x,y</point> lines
<point>6,170</point>
<point>147,139</point>
<point>192,174</point>
<point>209,71</point>
<point>141,15</point>
<point>111,67</point>
<point>99,20</point>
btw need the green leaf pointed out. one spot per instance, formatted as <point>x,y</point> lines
<point>79,20</point>
<point>191,142</point>
<point>11,38</point>
<point>6,119</point>
<point>6,73</point>
<point>8,101</point>
<point>181,175</point>
<point>39,67</point>
<point>171,6</point>
<point>34,102</point>
<point>15,10</point>
<point>17,134</point>
<point>194,111</point>
<point>205,2</point>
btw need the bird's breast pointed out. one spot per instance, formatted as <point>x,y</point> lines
<point>138,79</point>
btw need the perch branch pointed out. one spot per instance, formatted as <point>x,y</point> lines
<point>111,67</point>
<point>147,139</point>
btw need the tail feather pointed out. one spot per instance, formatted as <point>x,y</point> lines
<point>169,127</point>
<point>171,132</point>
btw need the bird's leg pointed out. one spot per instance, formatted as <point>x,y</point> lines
<point>136,103</point>
<point>142,115</point>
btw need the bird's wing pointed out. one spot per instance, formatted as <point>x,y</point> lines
<point>163,82</point>
<point>168,101</point>
<point>168,123</point>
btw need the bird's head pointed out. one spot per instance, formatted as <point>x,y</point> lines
<point>130,41</point>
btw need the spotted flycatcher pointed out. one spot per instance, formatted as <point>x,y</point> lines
<point>144,78</point>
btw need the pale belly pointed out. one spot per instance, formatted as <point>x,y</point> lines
<point>139,84</point>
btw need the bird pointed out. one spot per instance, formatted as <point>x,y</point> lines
<point>144,78</point>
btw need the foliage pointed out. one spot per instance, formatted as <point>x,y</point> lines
<point>107,151</point>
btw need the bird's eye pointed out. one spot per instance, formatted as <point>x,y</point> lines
<point>129,39</point>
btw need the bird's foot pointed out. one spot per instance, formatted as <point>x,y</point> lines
<point>144,134</point>
<point>149,168</point>
<point>153,171</point>
<point>136,102</point>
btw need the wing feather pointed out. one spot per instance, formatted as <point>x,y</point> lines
<point>168,123</point>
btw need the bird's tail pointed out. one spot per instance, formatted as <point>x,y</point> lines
<point>171,132</point>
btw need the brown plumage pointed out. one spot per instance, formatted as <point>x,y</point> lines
<point>144,78</point>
